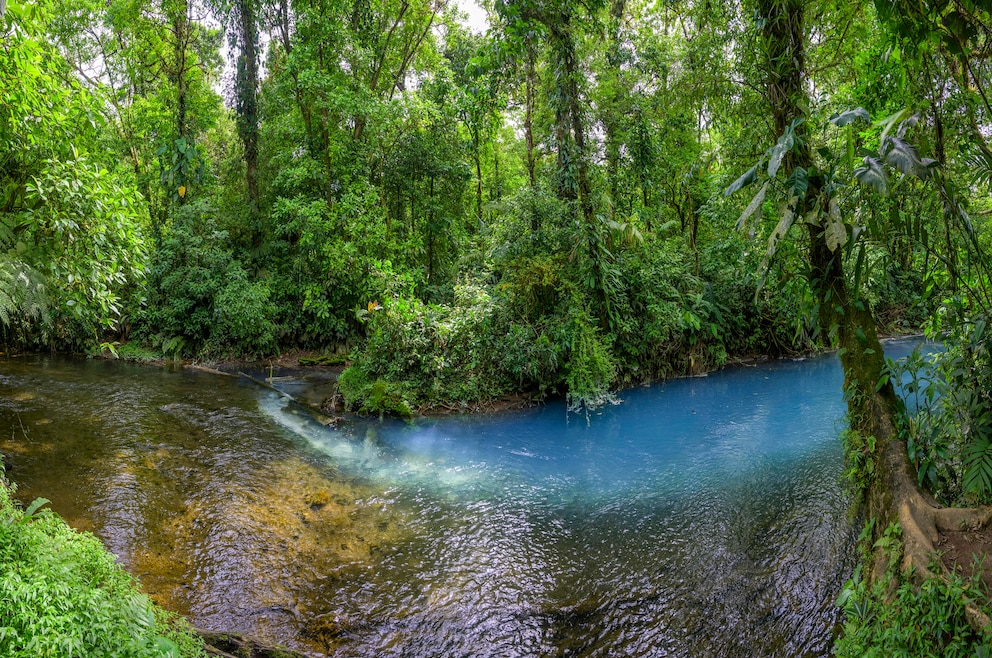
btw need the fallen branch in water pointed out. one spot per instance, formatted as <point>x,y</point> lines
<point>265,384</point>
<point>208,369</point>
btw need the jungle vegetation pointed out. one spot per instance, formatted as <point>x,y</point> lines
<point>577,198</point>
<point>539,207</point>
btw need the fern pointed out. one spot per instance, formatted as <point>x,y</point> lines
<point>977,460</point>
<point>979,164</point>
<point>23,297</point>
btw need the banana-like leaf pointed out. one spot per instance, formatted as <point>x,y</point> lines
<point>746,179</point>
<point>890,121</point>
<point>903,156</point>
<point>873,174</point>
<point>753,207</point>
<point>777,152</point>
<point>835,232</point>
<point>906,125</point>
<point>842,119</point>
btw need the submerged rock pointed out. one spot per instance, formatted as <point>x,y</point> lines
<point>232,645</point>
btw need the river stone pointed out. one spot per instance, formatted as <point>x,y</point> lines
<point>232,645</point>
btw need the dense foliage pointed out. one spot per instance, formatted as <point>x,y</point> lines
<point>63,594</point>
<point>537,206</point>
<point>582,197</point>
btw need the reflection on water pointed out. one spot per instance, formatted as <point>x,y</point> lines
<point>703,517</point>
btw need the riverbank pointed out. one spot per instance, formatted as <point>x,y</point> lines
<point>310,377</point>
<point>301,374</point>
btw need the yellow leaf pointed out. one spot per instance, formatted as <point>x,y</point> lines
<point>182,191</point>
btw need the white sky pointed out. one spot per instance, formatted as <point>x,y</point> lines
<point>476,15</point>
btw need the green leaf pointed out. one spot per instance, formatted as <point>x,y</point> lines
<point>797,183</point>
<point>842,119</point>
<point>873,175</point>
<point>746,179</point>
<point>753,207</point>
<point>835,232</point>
<point>34,507</point>
<point>888,122</point>
<point>777,152</point>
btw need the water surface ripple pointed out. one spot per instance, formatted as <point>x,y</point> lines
<point>702,517</point>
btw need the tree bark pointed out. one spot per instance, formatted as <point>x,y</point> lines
<point>843,319</point>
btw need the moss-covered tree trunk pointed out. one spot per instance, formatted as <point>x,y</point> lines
<point>846,320</point>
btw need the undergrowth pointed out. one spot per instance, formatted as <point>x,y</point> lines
<point>63,595</point>
<point>895,617</point>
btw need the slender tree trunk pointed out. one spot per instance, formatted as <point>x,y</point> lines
<point>530,82</point>
<point>247,97</point>
<point>496,188</point>
<point>572,175</point>
<point>430,235</point>
<point>477,156</point>
<point>611,118</point>
<point>181,34</point>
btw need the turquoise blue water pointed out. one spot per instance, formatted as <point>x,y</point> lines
<point>700,517</point>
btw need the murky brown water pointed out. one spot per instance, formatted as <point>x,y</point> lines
<point>703,518</point>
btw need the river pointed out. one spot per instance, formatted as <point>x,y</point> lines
<point>701,517</point>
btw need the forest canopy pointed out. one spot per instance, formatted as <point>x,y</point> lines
<point>584,196</point>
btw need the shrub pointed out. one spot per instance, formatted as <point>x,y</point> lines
<point>62,594</point>
<point>948,419</point>
<point>423,355</point>
<point>895,617</point>
<point>200,297</point>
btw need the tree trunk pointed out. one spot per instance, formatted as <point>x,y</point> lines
<point>477,156</point>
<point>529,83</point>
<point>846,321</point>
<point>247,98</point>
<point>611,116</point>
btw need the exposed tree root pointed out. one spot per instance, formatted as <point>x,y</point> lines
<point>922,520</point>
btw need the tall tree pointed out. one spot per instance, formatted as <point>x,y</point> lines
<point>243,36</point>
<point>844,317</point>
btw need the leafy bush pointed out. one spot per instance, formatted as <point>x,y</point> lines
<point>82,229</point>
<point>242,316</point>
<point>200,297</point>
<point>948,422</point>
<point>62,594</point>
<point>590,368</point>
<point>341,256</point>
<point>432,354</point>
